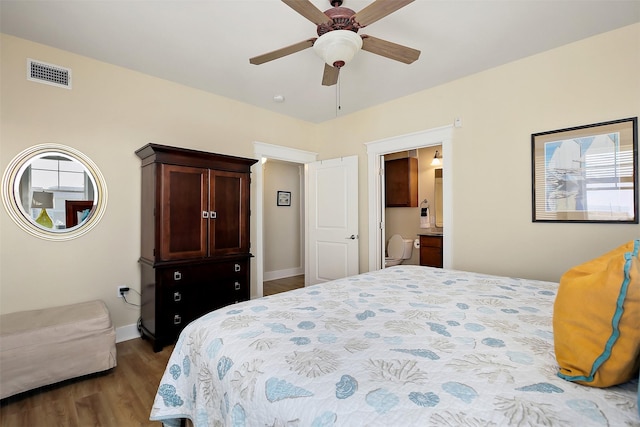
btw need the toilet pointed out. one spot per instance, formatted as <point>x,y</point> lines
<point>398,249</point>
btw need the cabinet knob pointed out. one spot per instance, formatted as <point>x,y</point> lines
<point>177,296</point>
<point>237,285</point>
<point>177,275</point>
<point>205,214</point>
<point>237,268</point>
<point>212,215</point>
<point>177,319</point>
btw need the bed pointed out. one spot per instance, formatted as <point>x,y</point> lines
<point>403,346</point>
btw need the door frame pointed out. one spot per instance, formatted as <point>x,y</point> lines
<point>261,151</point>
<point>375,153</point>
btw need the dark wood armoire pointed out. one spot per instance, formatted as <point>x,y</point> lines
<point>195,254</point>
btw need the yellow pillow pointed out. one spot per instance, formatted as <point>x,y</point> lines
<point>596,319</point>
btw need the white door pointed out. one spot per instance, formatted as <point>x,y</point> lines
<point>332,219</point>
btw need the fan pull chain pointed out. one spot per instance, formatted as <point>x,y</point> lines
<point>338,106</point>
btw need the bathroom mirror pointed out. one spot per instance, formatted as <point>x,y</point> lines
<point>438,198</point>
<point>54,192</point>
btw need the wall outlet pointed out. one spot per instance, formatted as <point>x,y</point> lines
<point>122,290</point>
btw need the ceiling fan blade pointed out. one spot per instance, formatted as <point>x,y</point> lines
<point>330,76</point>
<point>308,10</point>
<point>261,59</point>
<point>378,10</point>
<point>389,50</point>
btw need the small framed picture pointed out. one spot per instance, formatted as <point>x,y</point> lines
<point>284,198</point>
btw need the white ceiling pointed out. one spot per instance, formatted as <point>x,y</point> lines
<point>207,44</point>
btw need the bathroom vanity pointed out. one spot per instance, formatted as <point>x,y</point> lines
<point>431,248</point>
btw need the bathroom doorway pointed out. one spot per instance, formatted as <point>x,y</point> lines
<point>375,152</point>
<point>407,221</point>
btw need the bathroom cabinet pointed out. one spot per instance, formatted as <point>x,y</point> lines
<point>401,182</point>
<point>431,251</point>
<point>194,237</point>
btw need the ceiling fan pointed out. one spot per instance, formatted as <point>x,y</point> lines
<point>337,41</point>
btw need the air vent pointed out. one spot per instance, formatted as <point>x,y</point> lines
<point>53,75</point>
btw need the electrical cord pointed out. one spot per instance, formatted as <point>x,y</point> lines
<point>130,303</point>
<point>124,296</point>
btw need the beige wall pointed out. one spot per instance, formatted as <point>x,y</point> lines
<point>113,111</point>
<point>589,81</point>
<point>109,113</point>
<point>282,223</point>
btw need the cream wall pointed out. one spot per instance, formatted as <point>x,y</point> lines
<point>109,113</point>
<point>590,81</point>
<point>112,111</point>
<point>282,223</point>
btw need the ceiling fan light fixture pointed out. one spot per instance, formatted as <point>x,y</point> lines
<point>338,47</point>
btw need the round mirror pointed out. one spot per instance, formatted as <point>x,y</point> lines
<point>54,192</point>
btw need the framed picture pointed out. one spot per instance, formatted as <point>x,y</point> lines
<point>284,198</point>
<point>586,173</point>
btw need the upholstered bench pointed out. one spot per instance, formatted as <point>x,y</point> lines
<point>42,347</point>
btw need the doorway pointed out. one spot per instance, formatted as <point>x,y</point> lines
<point>325,209</point>
<point>415,197</point>
<point>279,153</point>
<point>284,197</point>
<point>375,153</point>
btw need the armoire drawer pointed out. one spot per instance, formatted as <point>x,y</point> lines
<point>203,274</point>
<point>230,269</point>
<point>181,275</point>
<point>176,297</point>
<point>174,321</point>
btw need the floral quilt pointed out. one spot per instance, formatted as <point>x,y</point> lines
<point>403,346</point>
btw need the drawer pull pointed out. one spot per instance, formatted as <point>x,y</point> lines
<point>238,286</point>
<point>237,267</point>
<point>177,296</point>
<point>177,275</point>
<point>177,319</point>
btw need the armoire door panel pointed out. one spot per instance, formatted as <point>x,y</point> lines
<point>184,198</point>
<point>228,230</point>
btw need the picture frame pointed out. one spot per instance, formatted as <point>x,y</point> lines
<point>586,174</point>
<point>284,198</point>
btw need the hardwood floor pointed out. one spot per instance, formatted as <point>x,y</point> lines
<point>121,397</point>
<point>282,285</point>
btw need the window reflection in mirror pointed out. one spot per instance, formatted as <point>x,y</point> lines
<point>54,192</point>
<point>61,178</point>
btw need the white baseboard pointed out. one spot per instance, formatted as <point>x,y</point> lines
<point>127,332</point>
<point>281,274</point>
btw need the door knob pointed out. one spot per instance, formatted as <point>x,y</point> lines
<point>352,237</point>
